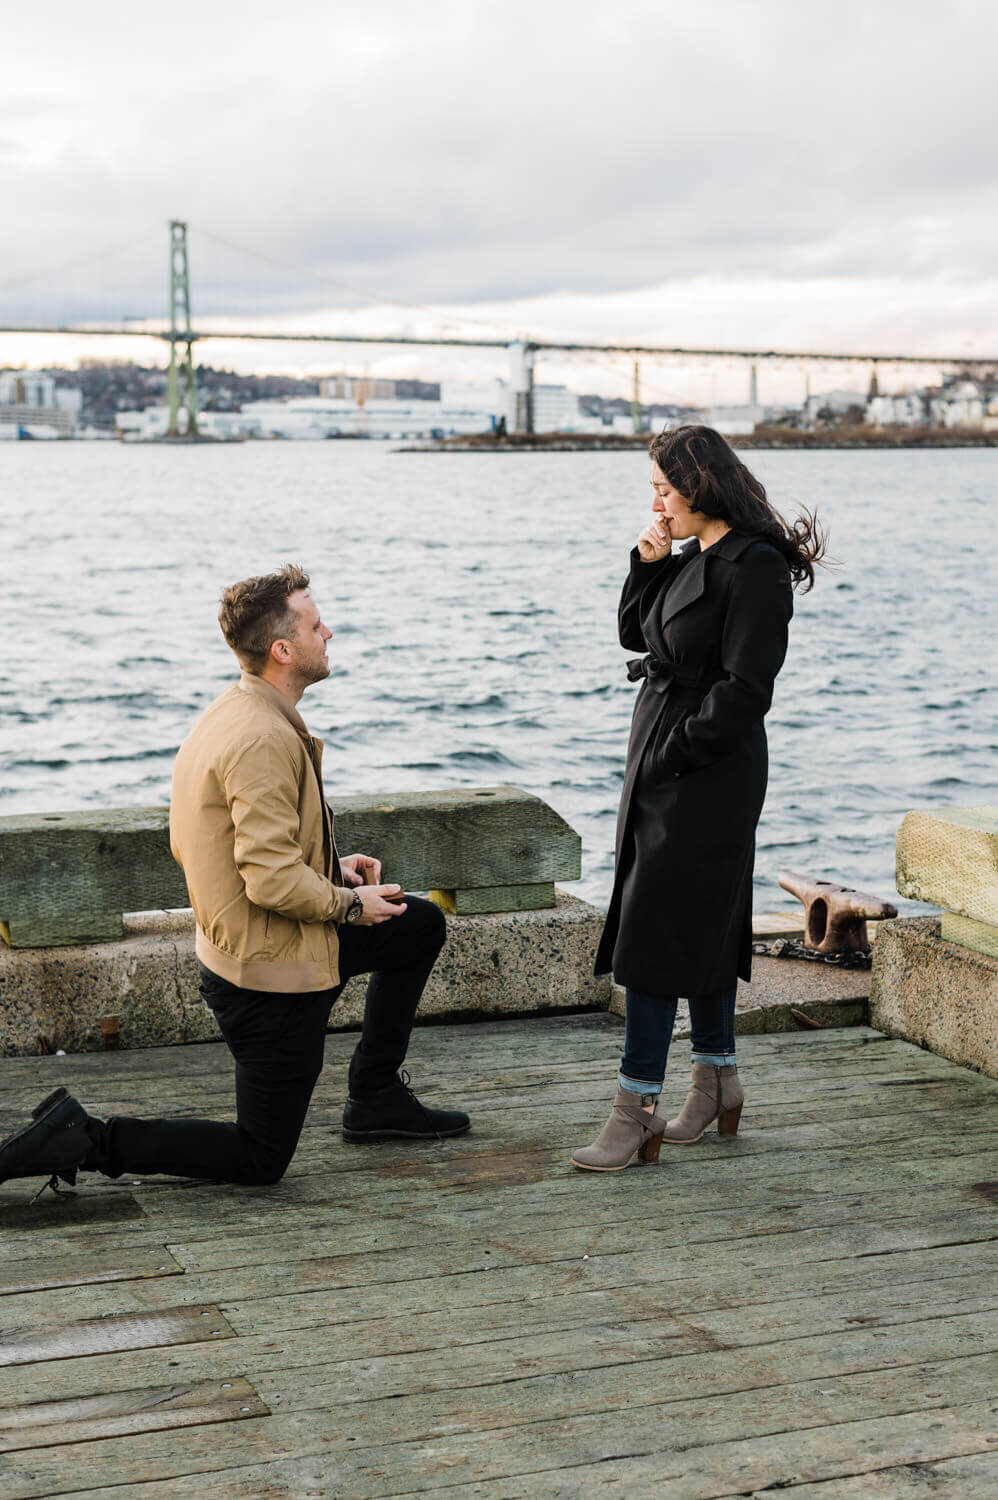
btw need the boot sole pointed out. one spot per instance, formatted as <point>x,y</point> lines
<point>365,1137</point>
<point>635,1161</point>
<point>694,1139</point>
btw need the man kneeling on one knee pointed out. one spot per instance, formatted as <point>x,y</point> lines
<point>282,924</point>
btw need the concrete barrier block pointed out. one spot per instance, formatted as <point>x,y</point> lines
<point>935,993</point>
<point>949,858</point>
<point>504,964</point>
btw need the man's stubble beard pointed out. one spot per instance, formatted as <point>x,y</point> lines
<point>311,672</point>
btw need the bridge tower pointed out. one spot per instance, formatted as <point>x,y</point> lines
<point>180,333</point>
<point>521,384</point>
<point>637,416</point>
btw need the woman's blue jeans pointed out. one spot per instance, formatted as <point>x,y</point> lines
<point>648,1032</point>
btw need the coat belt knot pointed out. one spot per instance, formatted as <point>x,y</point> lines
<point>661,675</point>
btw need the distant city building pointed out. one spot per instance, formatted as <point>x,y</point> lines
<point>356,388</point>
<point>959,404</point>
<point>462,409</point>
<point>956,403</point>
<point>32,405</point>
<point>555,409</point>
<point>831,406</point>
<point>490,397</point>
<point>27,388</point>
<point>734,421</point>
<point>907,409</point>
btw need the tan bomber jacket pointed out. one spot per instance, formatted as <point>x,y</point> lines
<point>250,829</point>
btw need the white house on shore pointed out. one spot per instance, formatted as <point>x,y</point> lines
<point>961,403</point>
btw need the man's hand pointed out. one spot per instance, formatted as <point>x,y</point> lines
<point>360,869</point>
<point>376,908</point>
<point>655,542</point>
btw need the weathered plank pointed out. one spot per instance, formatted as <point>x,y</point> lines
<point>196,1217</point>
<point>408,1281</point>
<point>89,1262</point>
<point>615,1230</point>
<point>48,1424</point>
<point>770,1436</point>
<point>110,1333</point>
<point>563,1331</point>
<point>480,1082</point>
<point>518,1380</point>
<point>973,1477</point>
<point>549,1043</point>
<point>709,1178</point>
<point>775,1461</point>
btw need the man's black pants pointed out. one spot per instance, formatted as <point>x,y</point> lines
<point>278,1042</point>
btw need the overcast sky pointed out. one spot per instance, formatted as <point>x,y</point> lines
<point>760,172</point>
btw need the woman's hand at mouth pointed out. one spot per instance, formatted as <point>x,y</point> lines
<point>655,542</point>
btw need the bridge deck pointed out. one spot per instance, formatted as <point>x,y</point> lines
<point>812,1307</point>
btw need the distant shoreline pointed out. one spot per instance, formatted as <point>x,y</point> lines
<point>765,438</point>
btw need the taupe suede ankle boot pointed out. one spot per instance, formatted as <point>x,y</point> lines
<point>715,1094</point>
<point>631,1132</point>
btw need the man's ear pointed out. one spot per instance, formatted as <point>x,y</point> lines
<point>280,651</point>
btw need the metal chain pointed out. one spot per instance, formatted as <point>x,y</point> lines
<point>788,948</point>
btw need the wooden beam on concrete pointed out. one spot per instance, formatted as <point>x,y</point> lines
<point>68,877</point>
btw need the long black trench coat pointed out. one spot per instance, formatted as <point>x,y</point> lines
<point>714,624</point>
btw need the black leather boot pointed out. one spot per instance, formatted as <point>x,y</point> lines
<point>395,1113</point>
<point>53,1145</point>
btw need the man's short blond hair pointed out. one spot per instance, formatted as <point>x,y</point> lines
<point>255,613</point>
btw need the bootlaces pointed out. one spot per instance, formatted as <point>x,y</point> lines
<point>406,1083</point>
<point>53,1183</point>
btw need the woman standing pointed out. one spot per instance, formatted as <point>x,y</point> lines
<point>713,620</point>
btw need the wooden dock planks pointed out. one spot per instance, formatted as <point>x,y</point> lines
<point>812,1306</point>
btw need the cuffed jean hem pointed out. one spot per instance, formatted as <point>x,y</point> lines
<point>635,1086</point>
<point>714,1059</point>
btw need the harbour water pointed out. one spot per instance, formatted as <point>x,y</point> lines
<point>473,602</point>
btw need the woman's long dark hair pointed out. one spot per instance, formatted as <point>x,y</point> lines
<point>712,479</point>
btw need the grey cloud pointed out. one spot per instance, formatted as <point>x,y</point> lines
<point>508,151</point>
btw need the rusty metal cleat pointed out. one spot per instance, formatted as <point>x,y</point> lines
<point>835,916</point>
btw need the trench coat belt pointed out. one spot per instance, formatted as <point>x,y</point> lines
<point>661,675</point>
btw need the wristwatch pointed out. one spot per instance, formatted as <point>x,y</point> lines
<point>355,909</point>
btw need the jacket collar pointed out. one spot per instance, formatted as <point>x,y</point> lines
<point>692,581</point>
<point>731,545</point>
<point>250,683</point>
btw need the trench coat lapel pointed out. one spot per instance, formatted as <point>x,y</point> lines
<point>688,588</point>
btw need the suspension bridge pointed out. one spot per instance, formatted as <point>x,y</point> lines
<point>181,334</point>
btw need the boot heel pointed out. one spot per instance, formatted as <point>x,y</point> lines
<point>728,1122</point>
<point>649,1151</point>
